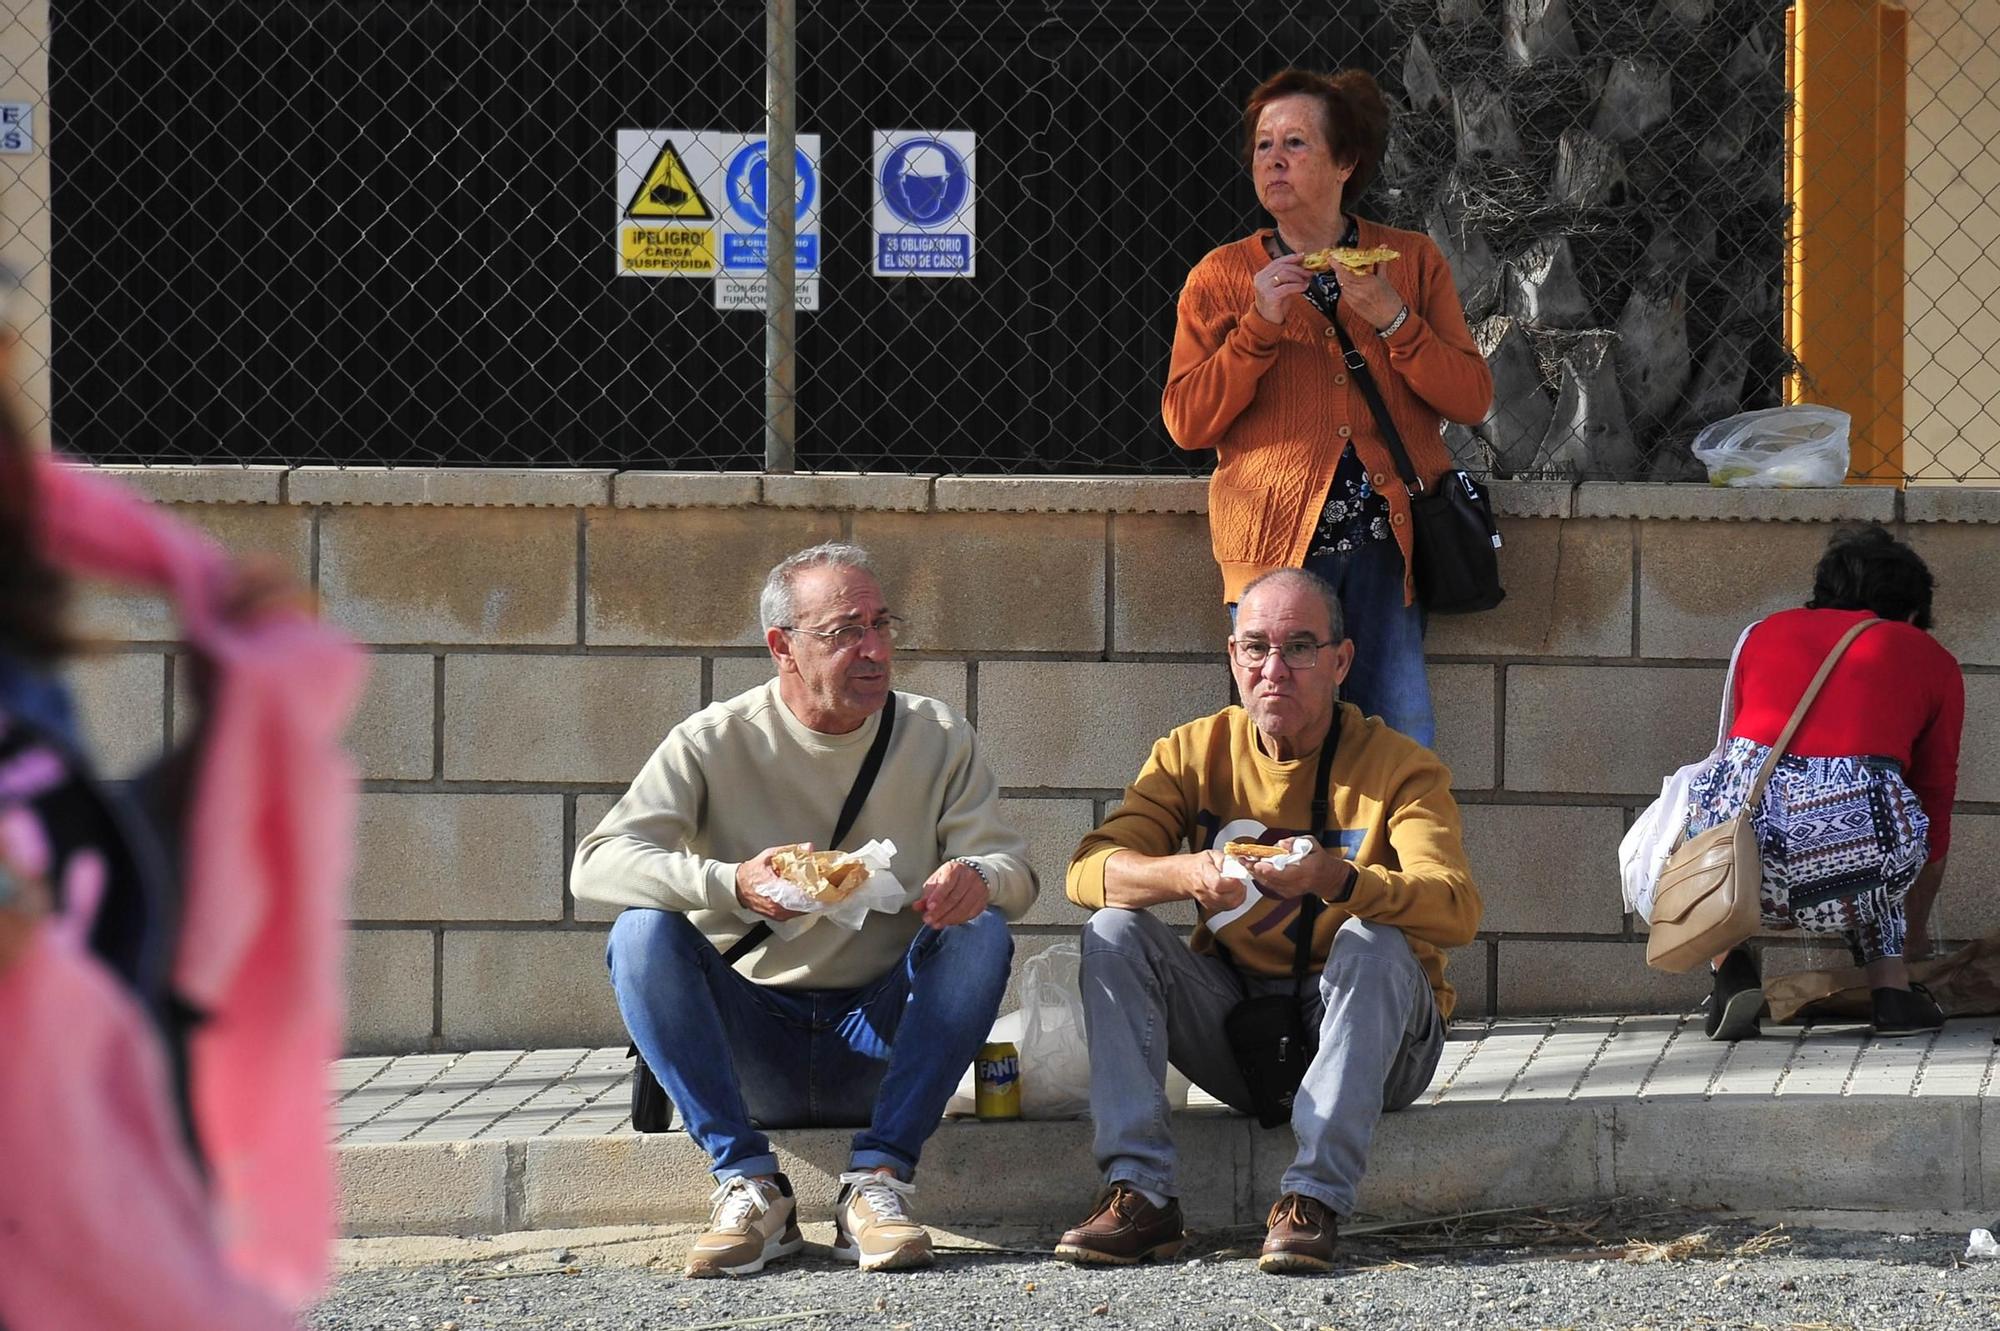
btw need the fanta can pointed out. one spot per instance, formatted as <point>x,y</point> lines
<point>997,1081</point>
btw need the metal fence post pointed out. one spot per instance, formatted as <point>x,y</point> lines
<point>781,370</point>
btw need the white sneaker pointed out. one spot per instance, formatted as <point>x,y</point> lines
<point>753,1223</point>
<point>871,1225</point>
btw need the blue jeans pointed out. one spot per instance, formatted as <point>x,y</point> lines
<point>1388,678</point>
<point>738,1056</point>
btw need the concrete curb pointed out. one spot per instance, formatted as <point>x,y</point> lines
<point>1864,1152</point>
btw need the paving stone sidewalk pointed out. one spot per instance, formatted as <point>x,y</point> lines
<point>1519,1108</point>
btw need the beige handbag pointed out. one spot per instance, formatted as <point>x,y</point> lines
<point>1709,897</point>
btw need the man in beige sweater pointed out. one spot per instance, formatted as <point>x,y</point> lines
<point>813,1025</point>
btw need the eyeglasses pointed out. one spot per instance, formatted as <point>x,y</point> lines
<point>1298,654</point>
<point>849,636</point>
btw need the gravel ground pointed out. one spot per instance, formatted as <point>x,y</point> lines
<point>1871,1272</point>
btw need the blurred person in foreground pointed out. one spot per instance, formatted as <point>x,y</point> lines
<point>169,952</point>
<point>1304,476</point>
<point>1855,824</point>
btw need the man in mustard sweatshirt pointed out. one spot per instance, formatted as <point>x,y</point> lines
<point>1350,939</point>
<point>805,1022</point>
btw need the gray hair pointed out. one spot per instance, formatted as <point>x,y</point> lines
<point>1336,618</point>
<point>775,606</point>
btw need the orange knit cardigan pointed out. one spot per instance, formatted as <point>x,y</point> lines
<point>1276,404</point>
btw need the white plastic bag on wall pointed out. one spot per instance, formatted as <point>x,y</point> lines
<point>1796,446</point>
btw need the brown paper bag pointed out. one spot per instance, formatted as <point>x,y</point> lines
<point>1966,983</point>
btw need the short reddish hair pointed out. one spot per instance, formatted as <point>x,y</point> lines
<point>1356,113</point>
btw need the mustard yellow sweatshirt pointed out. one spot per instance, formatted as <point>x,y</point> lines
<point>1390,807</point>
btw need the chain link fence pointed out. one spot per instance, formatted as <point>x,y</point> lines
<point>388,231</point>
<point>1607,179</point>
<point>1952,296</point>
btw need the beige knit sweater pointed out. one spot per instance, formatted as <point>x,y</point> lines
<point>741,776</point>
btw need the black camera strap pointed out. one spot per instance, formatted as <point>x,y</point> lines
<point>1364,379</point>
<point>651,1111</point>
<point>1357,365</point>
<point>857,795</point>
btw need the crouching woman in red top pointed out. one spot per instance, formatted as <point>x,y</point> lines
<point>1856,820</point>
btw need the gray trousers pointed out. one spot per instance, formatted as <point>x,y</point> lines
<point>1148,1000</point>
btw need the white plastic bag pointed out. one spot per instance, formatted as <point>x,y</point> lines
<point>1055,1051</point>
<point>1055,1057</point>
<point>1643,853</point>
<point>1055,1054</point>
<point>1795,446</point>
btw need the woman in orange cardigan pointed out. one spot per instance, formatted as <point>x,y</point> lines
<point>1303,476</point>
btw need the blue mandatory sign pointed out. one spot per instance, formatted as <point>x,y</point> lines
<point>925,183</point>
<point>749,182</point>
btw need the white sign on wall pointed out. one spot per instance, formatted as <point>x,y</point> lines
<point>691,203</point>
<point>926,195</point>
<point>748,293</point>
<point>17,127</point>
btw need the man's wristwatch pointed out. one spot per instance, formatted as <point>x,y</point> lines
<point>1347,887</point>
<point>1402,316</point>
<point>977,868</point>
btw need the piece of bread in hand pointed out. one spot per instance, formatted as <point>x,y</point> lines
<point>1254,850</point>
<point>829,877</point>
<point>1353,260</point>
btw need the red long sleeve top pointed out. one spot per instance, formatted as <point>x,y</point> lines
<point>1896,694</point>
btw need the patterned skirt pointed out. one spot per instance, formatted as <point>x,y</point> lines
<point>1842,841</point>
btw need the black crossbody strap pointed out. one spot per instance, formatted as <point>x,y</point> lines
<point>864,780</point>
<point>1309,908</point>
<point>1357,365</point>
<point>857,795</point>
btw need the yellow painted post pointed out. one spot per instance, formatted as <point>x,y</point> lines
<point>1845,65</point>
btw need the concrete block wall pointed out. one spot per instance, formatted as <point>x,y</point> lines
<point>537,633</point>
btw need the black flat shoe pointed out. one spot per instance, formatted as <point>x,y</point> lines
<point>1737,999</point>
<point>1909,1011</point>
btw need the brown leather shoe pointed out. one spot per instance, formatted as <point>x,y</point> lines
<point>1125,1230</point>
<point>1298,1236</point>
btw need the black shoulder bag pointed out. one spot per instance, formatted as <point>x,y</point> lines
<point>1267,1035</point>
<point>652,1111</point>
<point>1453,537</point>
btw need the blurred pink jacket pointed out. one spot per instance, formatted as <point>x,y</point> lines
<point>104,1221</point>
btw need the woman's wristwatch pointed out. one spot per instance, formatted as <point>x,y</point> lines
<point>1401,316</point>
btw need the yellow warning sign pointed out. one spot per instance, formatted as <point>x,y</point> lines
<point>668,192</point>
<point>660,249</point>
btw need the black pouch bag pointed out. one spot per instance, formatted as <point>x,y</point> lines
<point>1267,1035</point>
<point>652,1109</point>
<point>1454,542</point>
